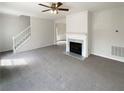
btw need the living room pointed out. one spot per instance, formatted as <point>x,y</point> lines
<point>70,46</point>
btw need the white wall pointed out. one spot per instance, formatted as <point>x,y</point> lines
<point>24,22</point>
<point>61,20</point>
<point>77,23</point>
<point>103,36</point>
<point>10,25</point>
<point>42,34</point>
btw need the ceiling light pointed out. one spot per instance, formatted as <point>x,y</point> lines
<point>54,8</point>
<point>55,11</point>
<point>51,11</point>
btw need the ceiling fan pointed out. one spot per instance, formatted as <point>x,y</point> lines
<point>54,8</point>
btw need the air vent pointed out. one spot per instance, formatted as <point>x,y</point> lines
<point>117,51</point>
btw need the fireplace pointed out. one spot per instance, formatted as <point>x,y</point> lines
<point>76,48</point>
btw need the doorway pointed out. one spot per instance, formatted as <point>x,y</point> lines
<point>60,33</point>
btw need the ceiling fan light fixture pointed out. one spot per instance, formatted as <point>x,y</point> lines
<point>56,5</point>
<point>54,11</point>
<point>51,11</point>
<point>54,8</point>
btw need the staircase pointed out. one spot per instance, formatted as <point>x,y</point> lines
<point>21,38</point>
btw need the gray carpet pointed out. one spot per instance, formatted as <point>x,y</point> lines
<point>50,69</point>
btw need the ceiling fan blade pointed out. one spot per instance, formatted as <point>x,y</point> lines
<point>63,9</point>
<point>59,4</point>
<point>44,5</point>
<point>46,10</point>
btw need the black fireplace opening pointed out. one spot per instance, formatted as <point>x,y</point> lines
<point>76,47</point>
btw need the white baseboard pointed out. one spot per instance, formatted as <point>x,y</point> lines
<point>117,59</point>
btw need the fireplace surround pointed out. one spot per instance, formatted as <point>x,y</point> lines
<point>77,42</point>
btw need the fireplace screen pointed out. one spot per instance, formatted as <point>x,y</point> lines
<point>76,47</point>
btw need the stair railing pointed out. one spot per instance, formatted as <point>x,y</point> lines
<point>20,38</point>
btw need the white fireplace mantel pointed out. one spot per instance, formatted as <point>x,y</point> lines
<point>77,31</point>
